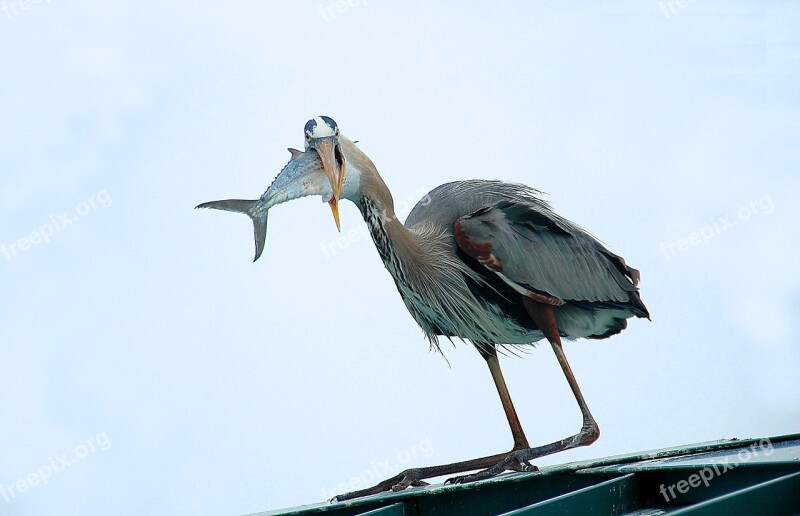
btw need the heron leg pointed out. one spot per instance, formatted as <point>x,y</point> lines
<point>414,477</point>
<point>518,459</point>
<point>544,318</point>
<point>489,353</point>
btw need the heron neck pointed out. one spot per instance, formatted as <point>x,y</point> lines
<point>395,243</point>
<point>391,238</point>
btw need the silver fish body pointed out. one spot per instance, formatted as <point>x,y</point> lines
<point>297,179</point>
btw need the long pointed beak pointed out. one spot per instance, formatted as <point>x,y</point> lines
<point>328,152</point>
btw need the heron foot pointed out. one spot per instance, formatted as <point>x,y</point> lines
<point>414,477</point>
<point>514,462</point>
<point>518,460</point>
<point>408,478</point>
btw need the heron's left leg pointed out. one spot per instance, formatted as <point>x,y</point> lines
<point>544,318</point>
<point>489,353</point>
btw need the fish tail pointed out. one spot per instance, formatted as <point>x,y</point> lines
<point>247,207</point>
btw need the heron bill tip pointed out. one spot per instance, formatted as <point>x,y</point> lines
<point>334,204</point>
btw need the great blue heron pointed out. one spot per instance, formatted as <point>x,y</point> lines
<point>484,261</point>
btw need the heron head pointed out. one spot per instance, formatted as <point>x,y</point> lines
<point>322,135</point>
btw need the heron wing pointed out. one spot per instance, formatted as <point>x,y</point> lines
<point>537,252</point>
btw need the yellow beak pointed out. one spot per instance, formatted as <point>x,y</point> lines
<point>326,149</point>
<point>334,204</point>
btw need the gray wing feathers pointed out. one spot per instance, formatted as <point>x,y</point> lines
<point>550,255</point>
<point>445,203</point>
<point>538,249</point>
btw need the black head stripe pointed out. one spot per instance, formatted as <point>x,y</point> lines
<point>330,121</point>
<point>310,126</point>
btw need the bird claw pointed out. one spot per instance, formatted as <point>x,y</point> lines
<point>524,467</point>
<point>401,486</point>
<point>466,479</point>
<point>513,462</point>
<point>408,481</point>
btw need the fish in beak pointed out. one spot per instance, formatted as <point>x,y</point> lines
<point>319,170</point>
<point>304,175</point>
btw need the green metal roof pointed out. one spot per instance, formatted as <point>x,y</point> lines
<point>736,476</point>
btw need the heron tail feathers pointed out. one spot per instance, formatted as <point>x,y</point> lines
<point>259,217</point>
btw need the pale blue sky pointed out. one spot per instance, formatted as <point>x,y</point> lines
<point>181,378</point>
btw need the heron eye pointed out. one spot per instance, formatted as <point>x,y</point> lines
<point>308,137</point>
<point>337,131</point>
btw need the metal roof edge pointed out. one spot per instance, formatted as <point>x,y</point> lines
<point>600,465</point>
